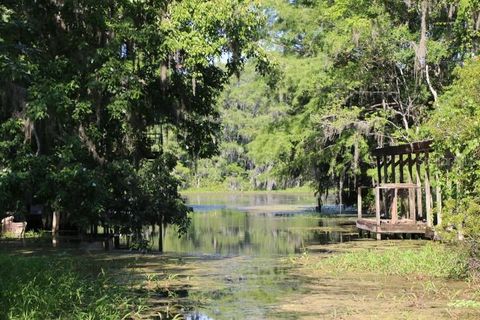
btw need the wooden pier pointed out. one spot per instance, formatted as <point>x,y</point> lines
<point>403,192</point>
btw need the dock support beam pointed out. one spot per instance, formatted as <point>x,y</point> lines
<point>419,187</point>
<point>395,206</point>
<point>411,192</point>
<point>377,205</point>
<point>438,193</point>
<point>55,227</point>
<point>359,203</point>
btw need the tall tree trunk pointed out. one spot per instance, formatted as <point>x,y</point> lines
<point>421,52</point>
<point>319,202</point>
<point>107,237</point>
<point>340,194</point>
<point>160,235</point>
<point>116,238</point>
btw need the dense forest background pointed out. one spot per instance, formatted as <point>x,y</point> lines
<point>350,76</point>
<point>107,108</point>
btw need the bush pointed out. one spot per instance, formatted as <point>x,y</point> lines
<point>455,128</point>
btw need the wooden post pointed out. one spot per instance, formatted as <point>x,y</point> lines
<point>359,203</point>
<point>385,180</point>
<point>379,171</point>
<point>377,211</point>
<point>394,178</point>
<point>385,169</point>
<point>428,202</point>
<point>55,226</point>
<point>411,192</point>
<point>419,186</point>
<point>377,205</point>
<point>402,180</point>
<point>394,206</point>
<point>428,194</point>
<point>438,193</point>
<point>400,160</point>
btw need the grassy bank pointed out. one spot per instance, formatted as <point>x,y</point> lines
<point>429,260</point>
<point>61,287</point>
<point>387,280</point>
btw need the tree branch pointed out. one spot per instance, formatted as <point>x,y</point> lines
<point>90,145</point>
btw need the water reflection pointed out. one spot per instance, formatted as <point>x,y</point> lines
<point>236,200</point>
<point>235,251</point>
<point>231,232</point>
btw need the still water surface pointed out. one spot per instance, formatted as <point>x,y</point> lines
<point>256,224</point>
<point>235,254</point>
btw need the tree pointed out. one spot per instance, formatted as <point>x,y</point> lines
<point>352,76</point>
<point>84,82</point>
<point>455,127</point>
<point>161,190</point>
<point>358,75</point>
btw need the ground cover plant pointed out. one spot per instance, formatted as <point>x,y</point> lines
<point>61,286</point>
<point>392,279</point>
<point>430,260</point>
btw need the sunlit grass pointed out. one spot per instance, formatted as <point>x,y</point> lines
<point>430,260</point>
<point>61,287</point>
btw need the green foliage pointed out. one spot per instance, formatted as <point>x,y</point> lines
<point>30,235</point>
<point>164,204</point>
<point>311,87</point>
<point>91,93</point>
<point>456,128</point>
<point>58,287</point>
<point>246,106</point>
<point>352,80</point>
<point>350,76</point>
<point>141,245</point>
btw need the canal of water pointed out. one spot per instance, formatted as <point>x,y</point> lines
<point>233,261</point>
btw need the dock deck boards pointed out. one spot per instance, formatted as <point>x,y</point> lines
<point>402,226</point>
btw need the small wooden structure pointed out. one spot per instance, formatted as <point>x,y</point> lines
<point>15,229</point>
<point>403,192</point>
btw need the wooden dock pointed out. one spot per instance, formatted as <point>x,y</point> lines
<point>385,226</point>
<point>403,192</point>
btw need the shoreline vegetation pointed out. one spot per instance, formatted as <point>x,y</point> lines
<point>393,279</point>
<point>122,286</point>
<point>60,285</point>
<point>304,189</point>
<point>419,258</point>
